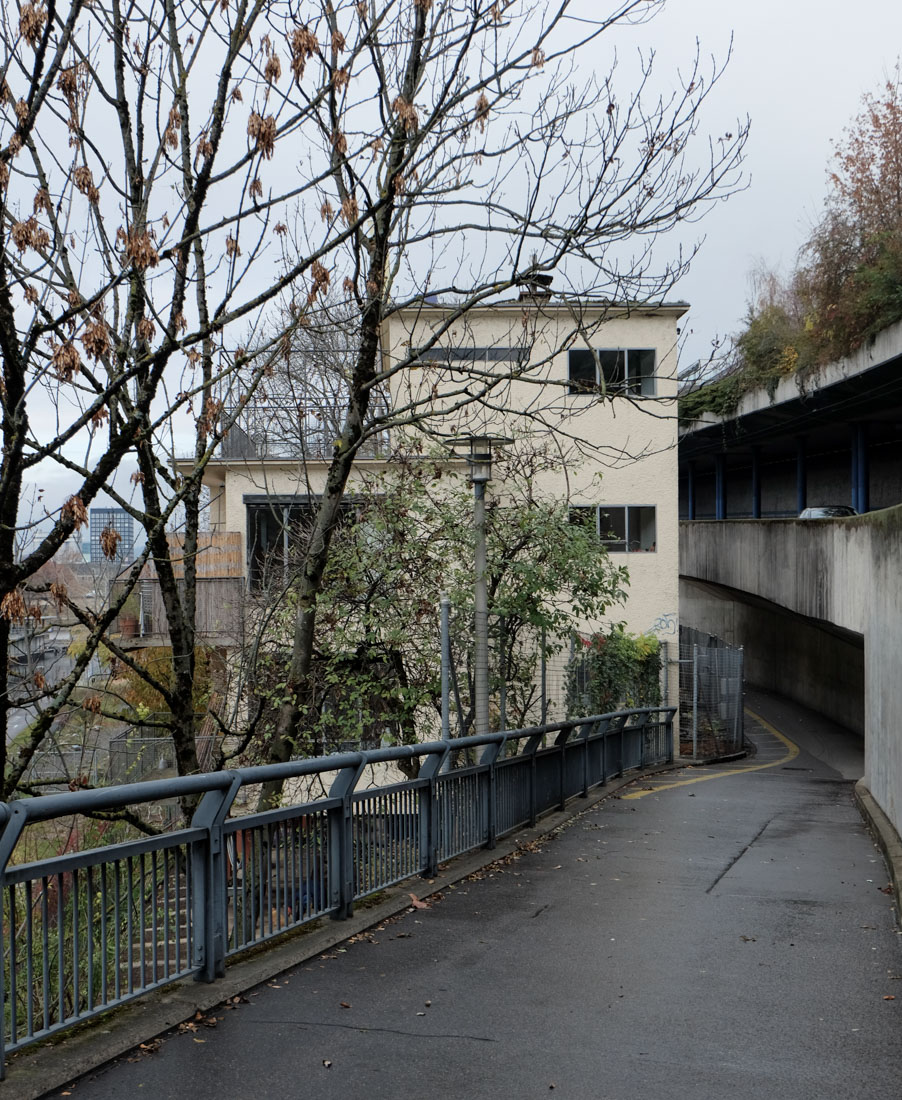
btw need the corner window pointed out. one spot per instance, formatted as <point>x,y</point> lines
<point>629,529</point>
<point>628,371</point>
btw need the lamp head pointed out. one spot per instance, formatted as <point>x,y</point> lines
<point>480,459</point>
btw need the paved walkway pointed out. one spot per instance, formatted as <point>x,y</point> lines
<point>711,934</point>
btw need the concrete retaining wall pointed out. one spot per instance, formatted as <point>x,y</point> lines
<point>818,666</point>
<point>842,573</point>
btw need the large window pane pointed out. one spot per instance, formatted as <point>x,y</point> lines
<point>622,370</point>
<point>613,370</point>
<point>583,377</point>
<point>641,526</point>
<point>612,528</point>
<point>641,370</point>
<point>626,530</point>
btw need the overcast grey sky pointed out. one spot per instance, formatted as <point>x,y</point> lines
<point>799,69</point>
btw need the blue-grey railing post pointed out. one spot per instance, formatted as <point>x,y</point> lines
<point>561,743</point>
<point>605,726</point>
<point>588,729</point>
<point>489,757</point>
<point>615,729</point>
<point>530,749</point>
<point>643,735</point>
<point>341,840</point>
<point>208,876</point>
<point>9,838</point>
<point>430,833</point>
<point>622,734</point>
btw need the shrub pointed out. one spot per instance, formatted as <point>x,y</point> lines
<point>615,671</point>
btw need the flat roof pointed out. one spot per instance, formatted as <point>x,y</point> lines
<point>554,302</point>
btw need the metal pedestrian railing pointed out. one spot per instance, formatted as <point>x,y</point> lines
<point>88,930</point>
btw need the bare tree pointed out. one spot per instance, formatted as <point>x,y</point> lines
<point>490,168</point>
<point>171,173</point>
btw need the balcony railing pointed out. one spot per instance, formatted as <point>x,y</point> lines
<point>306,431</point>
<point>220,611</point>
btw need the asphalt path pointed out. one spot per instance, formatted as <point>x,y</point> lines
<point>711,933</point>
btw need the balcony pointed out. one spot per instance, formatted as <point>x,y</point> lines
<point>220,595</point>
<point>298,432</point>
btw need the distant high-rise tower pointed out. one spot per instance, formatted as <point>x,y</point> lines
<point>115,519</point>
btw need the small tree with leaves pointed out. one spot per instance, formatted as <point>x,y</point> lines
<point>377,654</point>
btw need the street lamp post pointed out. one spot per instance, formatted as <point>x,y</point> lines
<point>480,463</point>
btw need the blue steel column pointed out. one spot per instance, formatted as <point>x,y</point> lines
<point>720,486</point>
<point>863,471</point>
<point>690,473</point>
<point>756,482</point>
<point>801,474</point>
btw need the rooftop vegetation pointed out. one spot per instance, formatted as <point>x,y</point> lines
<point>847,283</point>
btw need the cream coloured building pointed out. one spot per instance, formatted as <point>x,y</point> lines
<point>594,384</point>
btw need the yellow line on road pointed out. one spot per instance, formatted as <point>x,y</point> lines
<point>792,751</point>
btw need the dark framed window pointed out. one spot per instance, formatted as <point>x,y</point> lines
<point>622,370</point>
<point>623,529</point>
<point>495,354</point>
<point>278,528</point>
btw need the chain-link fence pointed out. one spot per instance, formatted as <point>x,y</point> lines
<point>134,758</point>
<point>57,769</point>
<point>711,687</point>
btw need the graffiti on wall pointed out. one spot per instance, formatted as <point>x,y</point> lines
<point>665,623</point>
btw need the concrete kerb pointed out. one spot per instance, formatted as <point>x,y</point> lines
<point>37,1070</point>
<point>884,833</point>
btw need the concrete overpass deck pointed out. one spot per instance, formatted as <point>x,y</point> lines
<point>830,437</point>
